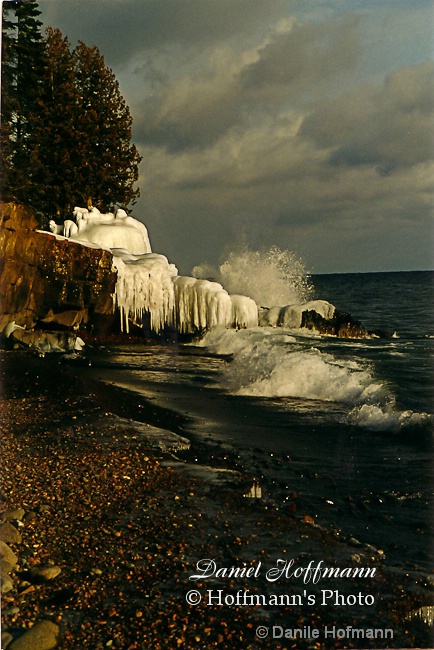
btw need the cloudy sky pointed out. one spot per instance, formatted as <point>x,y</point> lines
<point>307,124</point>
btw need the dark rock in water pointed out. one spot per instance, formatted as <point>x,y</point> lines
<point>75,359</point>
<point>318,316</point>
<point>50,280</point>
<point>382,334</point>
<point>341,325</point>
<point>44,635</point>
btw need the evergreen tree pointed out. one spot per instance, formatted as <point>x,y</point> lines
<point>59,157</point>
<point>66,129</point>
<point>23,71</point>
<point>105,131</point>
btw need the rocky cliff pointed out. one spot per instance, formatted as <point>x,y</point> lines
<point>49,281</point>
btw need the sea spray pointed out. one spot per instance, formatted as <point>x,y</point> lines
<point>268,362</point>
<point>272,277</point>
<point>273,363</point>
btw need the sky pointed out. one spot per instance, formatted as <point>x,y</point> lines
<point>304,124</point>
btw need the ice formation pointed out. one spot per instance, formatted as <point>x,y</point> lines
<point>148,284</point>
<point>290,316</point>
<point>244,312</point>
<point>202,305</point>
<point>109,230</point>
<point>145,285</point>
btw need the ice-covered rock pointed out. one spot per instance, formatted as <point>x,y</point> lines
<point>144,285</point>
<point>244,312</point>
<point>291,316</point>
<point>46,341</point>
<point>105,230</point>
<point>200,305</point>
<point>115,234</point>
<point>316,315</point>
<point>148,284</point>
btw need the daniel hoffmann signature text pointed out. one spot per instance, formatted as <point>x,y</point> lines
<point>312,573</point>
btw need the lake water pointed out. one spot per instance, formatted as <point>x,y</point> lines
<point>339,430</point>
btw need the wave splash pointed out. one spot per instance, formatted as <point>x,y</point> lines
<point>270,278</point>
<point>273,363</point>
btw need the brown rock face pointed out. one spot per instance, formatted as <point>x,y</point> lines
<point>44,280</point>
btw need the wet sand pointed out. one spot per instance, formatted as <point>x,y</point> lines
<point>107,504</point>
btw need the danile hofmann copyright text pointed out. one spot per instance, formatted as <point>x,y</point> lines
<point>326,632</point>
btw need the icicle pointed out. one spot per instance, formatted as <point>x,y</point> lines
<point>144,285</point>
<point>244,312</point>
<point>200,305</point>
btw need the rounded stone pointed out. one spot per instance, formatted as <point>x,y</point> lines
<point>44,635</point>
<point>12,514</point>
<point>6,639</point>
<point>45,573</point>
<point>6,584</point>
<point>7,554</point>
<point>9,534</point>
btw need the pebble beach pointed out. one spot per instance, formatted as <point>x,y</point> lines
<point>105,526</point>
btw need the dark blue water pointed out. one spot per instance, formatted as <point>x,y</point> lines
<point>346,425</point>
<point>401,302</point>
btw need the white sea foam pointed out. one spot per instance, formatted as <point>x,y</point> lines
<point>385,418</point>
<point>271,363</point>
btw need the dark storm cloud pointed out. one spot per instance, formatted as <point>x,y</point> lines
<point>305,55</point>
<point>195,110</point>
<point>180,122</point>
<point>390,125</point>
<point>121,28</point>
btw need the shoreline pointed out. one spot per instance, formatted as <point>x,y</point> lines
<point>107,506</point>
